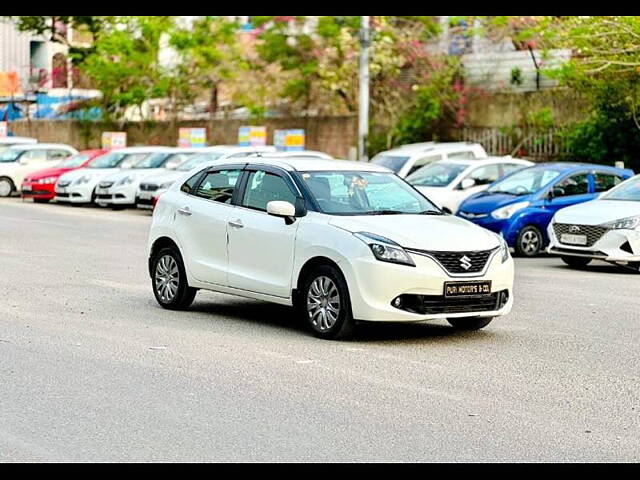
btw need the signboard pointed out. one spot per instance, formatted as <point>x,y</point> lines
<point>252,136</point>
<point>4,129</point>
<point>114,139</point>
<point>289,140</point>
<point>192,137</point>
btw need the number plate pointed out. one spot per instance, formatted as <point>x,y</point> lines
<point>573,239</point>
<point>101,190</point>
<point>61,190</point>
<point>467,289</point>
<point>26,188</point>
<point>145,195</point>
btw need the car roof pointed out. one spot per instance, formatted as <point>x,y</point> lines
<point>566,166</point>
<point>416,148</point>
<point>484,161</point>
<point>239,148</point>
<point>17,140</point>
<point>298,153</point>
<point>142,149</point>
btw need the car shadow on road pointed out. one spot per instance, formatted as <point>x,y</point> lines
<point>597,268</point>
<point>283,317</point>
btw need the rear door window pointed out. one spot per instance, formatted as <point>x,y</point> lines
<point>577,184</point>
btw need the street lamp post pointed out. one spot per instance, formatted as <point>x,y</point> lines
<point>363,104</point>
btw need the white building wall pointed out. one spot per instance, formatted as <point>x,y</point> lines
<point>14,51</point>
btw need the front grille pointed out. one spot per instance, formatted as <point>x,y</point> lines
<point>455,262</point>
<point>105,184</point>
<point>593,232</point>
<point>149,187</point>
<point>62,195</point>
<point>64,183</point>
<point>473,215</point>
<point>434,304</point>
<point>144,201</point>
<point>104,196</point>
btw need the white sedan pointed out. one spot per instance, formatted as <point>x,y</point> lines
<point>344,242</point>
<point>79,186</point>
<point>607,228</point>
<point>448,183</point>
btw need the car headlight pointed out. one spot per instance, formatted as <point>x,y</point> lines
<point>48,180</point>
<point>504,249</point>
<point>509,210</point>
<point>125,181</point>
<point>83,179</point>
<point>623,224</point>
<point>385,250</point>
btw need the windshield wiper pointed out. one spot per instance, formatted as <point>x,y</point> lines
<point>387,212</point>
<point>431,212</point>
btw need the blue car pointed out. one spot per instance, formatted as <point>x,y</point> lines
<point>520,206</point>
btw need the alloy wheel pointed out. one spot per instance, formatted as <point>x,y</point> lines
<point>167,278</point>
<point>323,303</point>
<point>530,242</point>
<point>5,188</point>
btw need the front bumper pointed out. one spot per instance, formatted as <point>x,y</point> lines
<point>374,285</point>
<point>39,191</point>
<point>74,193</point>
<point>616,246</point>
<point>116,196</point>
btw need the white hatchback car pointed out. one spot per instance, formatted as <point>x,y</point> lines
<point>341,241</point>
<point>18,161</point>
<point>607,228</point>
<point>79,186</point>
<point>406,159</point>
<point>448,183</point>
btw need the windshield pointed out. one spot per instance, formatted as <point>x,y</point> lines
<point>393,162</point>
<point>74,160</point>
<point>436,174</point>
<point>365,193</point>
<point>525,181</point>
<point>630,190</point>
<point>153,160</point>
<point>10,154</point>
<point>108,160</point>
<point>197,160</point>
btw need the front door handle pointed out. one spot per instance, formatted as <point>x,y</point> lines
<point>236,223</point>
<point>185,211</point>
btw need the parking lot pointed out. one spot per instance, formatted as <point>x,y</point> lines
<point>99,372</point>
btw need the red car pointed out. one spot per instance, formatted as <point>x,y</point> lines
<point>40,185</point>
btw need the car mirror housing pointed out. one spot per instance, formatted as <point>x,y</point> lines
<point>279,208</point>
<point>467,183</point>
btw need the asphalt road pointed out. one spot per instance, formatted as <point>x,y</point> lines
<point>92,369</point>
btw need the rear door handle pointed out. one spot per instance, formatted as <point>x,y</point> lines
<point>236,223</point>
<point>185,211</point>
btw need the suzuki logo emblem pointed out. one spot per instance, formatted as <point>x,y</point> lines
<point>465,262</point>
<point>574,228</point>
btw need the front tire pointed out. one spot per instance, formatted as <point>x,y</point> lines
<point>326,304</point>
<point>576,262</point>
<point>469,323</point>
<point>169,280</point>
<point>6,187</point>
<point>529,242</point>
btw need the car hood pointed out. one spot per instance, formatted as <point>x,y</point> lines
<point>48,172</point>
<point>485,202</point>
<point>168,176</point>
<point>93,173</point>
<point>597,212</point>
<point>423,232</point>
<point>136,173</point>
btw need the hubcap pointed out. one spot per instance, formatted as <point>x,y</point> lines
<point>167,278</point>
<point>530,242</point>
<point>323,303</point>
<point>5,188</point>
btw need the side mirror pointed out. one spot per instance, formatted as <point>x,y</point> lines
<point>467,183</point>
<point>279,208</point>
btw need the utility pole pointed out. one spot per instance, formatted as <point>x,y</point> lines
<point>363,104</point>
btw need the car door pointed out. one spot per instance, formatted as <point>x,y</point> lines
<point>201,222</point>
<point>30,161</point>
<point>572,189</point>
<point>261,246</point>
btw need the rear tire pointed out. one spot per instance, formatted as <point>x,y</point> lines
<point>529,242</point>
<point>576,262</point>
<point>469,323</point>
<point>169,280</point>
<point>324,301</point>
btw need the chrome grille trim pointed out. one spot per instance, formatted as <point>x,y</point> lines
<point>450,261</point>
